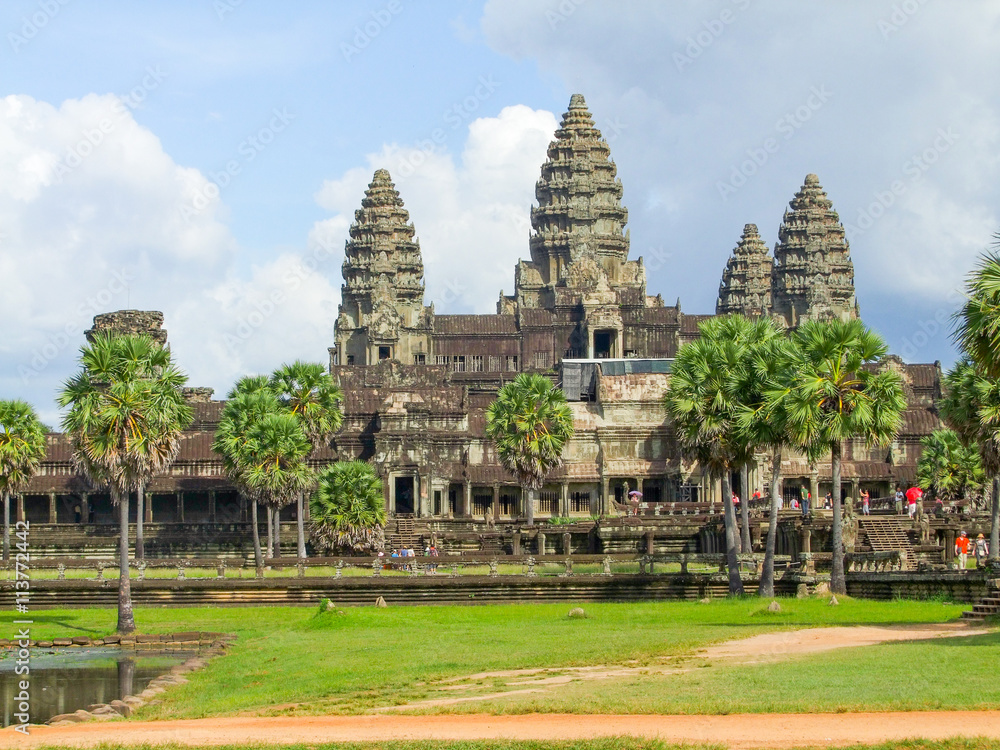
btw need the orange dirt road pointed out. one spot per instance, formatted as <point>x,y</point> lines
<point>734,731</point>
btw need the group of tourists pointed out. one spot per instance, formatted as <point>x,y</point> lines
<point>981,550</point>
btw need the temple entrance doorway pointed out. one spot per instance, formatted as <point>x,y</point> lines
<point>404,496</point>
<point>604,343</point>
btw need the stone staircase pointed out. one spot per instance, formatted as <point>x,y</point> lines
<point>886,535</point>
<point>403,535</point>
<point>988,606</point>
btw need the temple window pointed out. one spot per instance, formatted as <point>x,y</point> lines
<point>384,352</point>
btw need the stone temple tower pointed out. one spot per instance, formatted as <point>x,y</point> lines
<point>579,218</point>
<point>746,282</point>
<point>813,272</point>
<point>382,314</point>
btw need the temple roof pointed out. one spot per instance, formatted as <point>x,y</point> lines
<point>746,281</point>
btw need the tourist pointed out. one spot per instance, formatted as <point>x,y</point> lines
<point>804,494</point>
<point>865,503</point>
<point>90,514</point>
<point>982,550</point>
<point>939,507</point>
<point>77,515</point>
<point>828,501</point>
<point>736,500</point>
<point>899,500</point>
<point>962,550</point>
<point>912,495</point>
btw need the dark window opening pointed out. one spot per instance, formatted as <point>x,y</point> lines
<point>603,344</point>
<point>404,496</point>
<point>384,352</point>
<point>419,359</point>
<point>350,359</point>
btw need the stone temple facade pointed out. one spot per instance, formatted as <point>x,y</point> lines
<point>417,383</point>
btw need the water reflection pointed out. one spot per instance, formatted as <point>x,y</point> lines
<point>64,680</point>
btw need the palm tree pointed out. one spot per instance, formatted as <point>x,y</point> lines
<point>276,462</point>
<point>971,406</point>
<point>840,395</point>
<point>978,332</point>
<point>712,382</point>
<point>348,508</point>
<point>529,424</point>
<point>126,414</point>
<point>762,422</point>
<point>309,392</point>
<point>247,403</point>
<point>949,469</point>
<point>22,448</point>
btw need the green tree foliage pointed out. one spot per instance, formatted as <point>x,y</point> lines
<point>714,382</point>
<point>348,508</point>
<point>308,391</point>
<point>840,394</point>
<point>529,424</point>
<point>126,413</point>
<point>948,468</point>
<point>22,448</point>
<point>978,331</point>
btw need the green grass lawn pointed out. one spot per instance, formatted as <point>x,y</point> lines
<point>294,660</point>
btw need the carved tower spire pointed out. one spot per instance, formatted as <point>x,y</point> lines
<point>579,212</point>
<point>746,282</point>
<point>382,314</point>
<point>813,272</point>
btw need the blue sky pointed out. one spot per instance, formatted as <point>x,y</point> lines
<point>205,157</point>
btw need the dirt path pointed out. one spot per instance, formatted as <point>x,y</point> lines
<point>734,731</point>
<point>767,647</point>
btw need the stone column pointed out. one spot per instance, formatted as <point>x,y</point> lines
<point>52,507</point>
<point>243,509</point>
<point>466,509</point>
<point>211,506</point>
<point>805,539</point>
<point>147,508</point>
<point>605,495</point>
<point>949,545</point>
<point>19,514</point>
<point>84,507</point>
<point>426,496</point>
<point>541,542</point>
<point>814,489</point>
<point>567,543</point>
<point>516,543</point>
<point>650,545</point>
<point>496,501</point>
<point>564,499</point>
<point>180,506</point>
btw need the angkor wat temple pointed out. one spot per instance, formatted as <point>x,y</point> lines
<point>417,383</point>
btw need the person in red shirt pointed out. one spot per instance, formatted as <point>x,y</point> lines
<point>962,550</point>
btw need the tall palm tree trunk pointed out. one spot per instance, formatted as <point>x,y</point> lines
<point>994,525</point>
<point>766,587</point>
<point>140,502</point>
<point>257,557</point>
<point>270,530</point>
<point>126,620</point>
<point>838,584</point>
<point>6,526</point>
<point>745,510</point>
<point>277,531</point>
<point>300,522</point>
<point>732,563</point>
<point>529,506</point>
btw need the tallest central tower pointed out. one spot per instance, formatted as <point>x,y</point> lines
<point>579,216</point>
